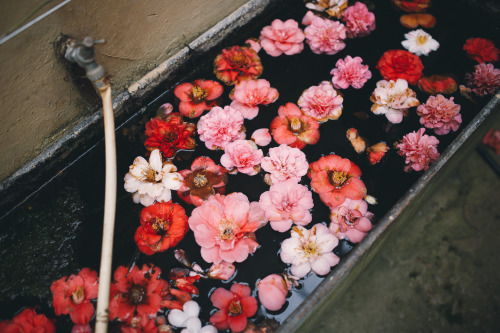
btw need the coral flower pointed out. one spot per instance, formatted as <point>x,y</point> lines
<point>321,102</point>
<point>285,163</point>
<point>393,99</point>
<point>203,180</point>
<point>376,152</point>
<point>293,128</point>
<point>282,37</point>
<point>72,295</point>
<point>28,321</point>
<point>357,141</point>
<point>197,97</point>
<point>441,114</point>
<point>419,42</point>
<point>242,156</point>
<point>261,137</point>
<point>334,8</point>
<point>163,225</point>
<point>248,94</point>
<point>412,5</point>
<point>418,149</point>
<point>169,135</point>
<point>437,84</point>
<point>310,250</point>
<point>492,140</point>
<point>222,271</point>
<point>485,80</point>
<point>272,291</point>
<point>224,227</point>
<point>481,50</point>
<point>286,203</point>
<point>235,306</point>
<point>145,324</point>
<point>350,72</point>
<point>237,64</point>
<point>351,220</point>
<point>400,64</point>
<point>335,178</point>
<point>221,126</point>
<point>325,36</point>
<point>359,20</point>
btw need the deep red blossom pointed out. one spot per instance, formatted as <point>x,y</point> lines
<point>176,298</point>
<point>28,321</point>
<point>481,50</point>
<point>492,140</point>
<point>400,64</point>
<point>437,84</point>
<point>412,5</point>
<point>237,64</point>
<point>198,96</point>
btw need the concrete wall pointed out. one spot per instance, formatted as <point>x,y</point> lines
<point>39,102</point>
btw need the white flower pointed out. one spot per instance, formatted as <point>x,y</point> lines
<point>188,318</point>
<point>393,99</point>
<point>153,181</point>
<point>419,42</point>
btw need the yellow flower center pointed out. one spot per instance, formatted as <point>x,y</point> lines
<point>338,178</point>
<point>198,94</point>
<point>200,180</point>
<point>238,60</point>
<point>151,175</point>
<point>295,125</point>
<point>226,231</point>
<point>310,249</point>
<point>160,226</point>
<point>422,39</point>
<point>235,308</point>
<point>78,295</point>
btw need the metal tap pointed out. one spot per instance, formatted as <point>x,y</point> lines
<point>83,53</point>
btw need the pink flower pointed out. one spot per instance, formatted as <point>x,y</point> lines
<point>248,94</point>
<point>285,163</point>
<point>197,97</point>
<point>282,37</point>
<point>293,128</point>
<point>418,149</point>
<point>441,114</point>
<point>321,102</point>
<point>286,203</point>
<point>308,18</point>
<point>485,80</point>
<point>350,72</point>
<point>224,227</point>
<point>254,44</point>
<point>351,220</point>
<point>242,156</point>
<point>222,271</point>
<point>272,291</point>
<point>221,126</point>
<point>358,20</point>
<point>262,137</point>
<point>393,99</point>
<point>325,36</point>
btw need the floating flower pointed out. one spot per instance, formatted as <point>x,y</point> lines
<point>222,271</point>
<point>285,163</point>
<point>485,80</point>
<point>441,114</point>
<point>437,84</point>
<point>71,295</point>
<point>282,37</point>
<point>492,140</point>
<point>144,324</point>
<point>308,18</point>
<point>272,291</point>
<point>221,126</point>
<point>254,44</point>
<point>198,96</point>
<point>153,181</point>
<point>203,180</point>
<point>419,42</point>
<point>242,156</point>
<point>224,227</point>
<point>293,128</point>
<point>412,21</point>
<point>310,250</point>
<point>400,64</point>
<point>164,110</point>
<point>248,94</point>
<point>335,178</point>
<point>393,99</point>
<point>481,50</point>
<point>351,220</point>
<point>357,142</point>
<point>321,102</point>
<point>412,5</point>
<point>334,8</point>
<point>235,306</point>
<point>418,149</point>
<point>376,152</point>
<point>325,36</point>
<point>237,64</point>
<point>28,321</point>
<point>170,135</point>
<point>261,137</point>
<point>358,20</point>
<point>188,318</point>
<point>350,72</point>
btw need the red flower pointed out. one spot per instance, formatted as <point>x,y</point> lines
<point>198,97</point>
<point>72,295</point>
<point>145,324</point>
<point>492,140</point>
<point>236,64</point>
<point>163,225</point>
<point>437,84</point>
<point>184,282</point>
<point>235,307</point>
<point>400,64</point>
<point>412,5</point>
<point>293,128</point>
<point>169,135</point>
<point>176,299</point>
<point>28,321</point>
<point>335,178</point>
<point>481,50</point>
<point>376,152</point>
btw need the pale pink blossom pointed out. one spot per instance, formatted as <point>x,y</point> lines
<point>254,44</point>
<point>308,18</point>
<point>222,271</point>
<point>286,203</point>
<point>350,72</point>
<point>334,8</point>
<point>308,250</point>
<point>282,37</point>
<point>351,220</point>
<point>262,137</point>
<point>485,80</point>
<point>250,93</point>
<point>359,20</point>
<point>321,102</point>
<point>325,36</point>
<point>221,126</point>
<point>165,109</point>
<point>242,156</point>
<point>285,163</point>
<point>393,99</point>
<point>441,114</point>
<point>272,291</point>
<point>418,149</point>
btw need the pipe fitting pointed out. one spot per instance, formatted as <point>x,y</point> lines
<point>83,53</point>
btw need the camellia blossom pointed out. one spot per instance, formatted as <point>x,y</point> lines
<point>235,306</point>
<point>261,137</point>
<point>221,126</point>
<point>325,36</point>
<point>376,153</point>
<point>272,291</point>
<point>419,150</point>
<point>242,156</point>
<point>334,8</point>
<point>441,114</point>
<point>350,72</point>
<point>224,227</point>
<point>351,220</point>
<point>28,321</point>
<point>254,44</point>
<point>282,37</point>
<point>222,271</point>
<point>437,84</point>
<point>400,64</point>
<point>286,203</point>
<point>188,318</point>
<point>419,42</point>
<point>485,80</point>
<point>293,128</point>
<point>412,5</point>
<point>285,163</point>
<point>310,250</point>
<point>481,50</point>
<point>308,18</point>
<point>335,178</point>
<point>197,97</point>
<point>358,20</point>
<point>71,295</point>
<point>237,64</point>
<point>321,102</point>
<point>248,94</point>
<point>143,324</point>
<point>393,99</point>
<point>492,140</point>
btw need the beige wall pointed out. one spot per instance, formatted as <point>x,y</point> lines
<point>38,102</point>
